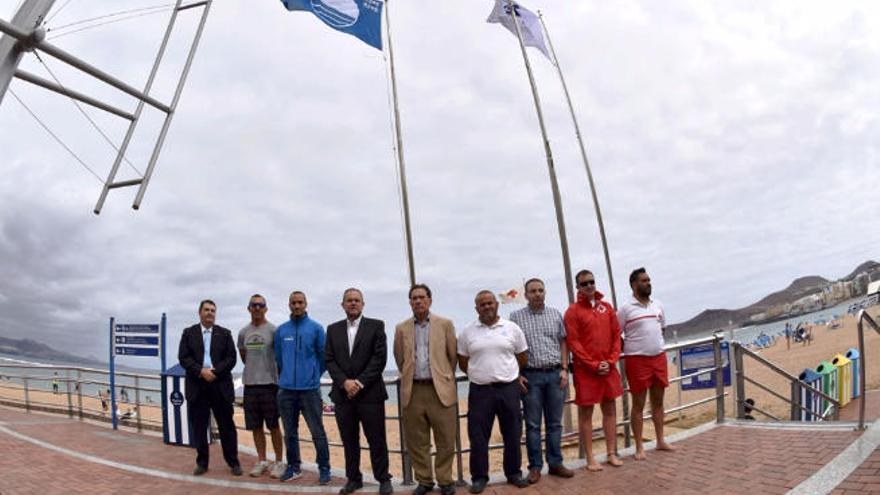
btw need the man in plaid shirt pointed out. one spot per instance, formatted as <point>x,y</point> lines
<point>544,380</point>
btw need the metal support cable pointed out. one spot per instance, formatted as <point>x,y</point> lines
<point>86,115</point>
<point>58,11</point>
<point>86,28</point>
<point>112,14</point>
<point>55,137</point>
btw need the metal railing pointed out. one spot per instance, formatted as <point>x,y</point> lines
<point>78,382</point>
<point>74,384</point>
<point>862,318</point>
<point>795,388</point>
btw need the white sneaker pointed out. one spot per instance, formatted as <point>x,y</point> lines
<point>259,468</point>
<point>277,470</point>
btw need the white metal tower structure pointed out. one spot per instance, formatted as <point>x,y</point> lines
<point>26,33</point>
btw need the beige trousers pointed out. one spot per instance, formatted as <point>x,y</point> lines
<point>424,414</point>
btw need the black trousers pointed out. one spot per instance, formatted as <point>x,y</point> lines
<point>485,402</point>
<point>210,399</point>
<point>349,417</point>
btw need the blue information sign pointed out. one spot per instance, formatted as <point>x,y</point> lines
<point>135,328</point>
<point>137,351</point>
<point>702,357</point>
<point>137,340</point>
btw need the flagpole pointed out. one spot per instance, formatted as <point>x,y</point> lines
<point>401,165</point>
<point>577,131</point>
<point>560,220</point>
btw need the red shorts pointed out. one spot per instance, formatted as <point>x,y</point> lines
<point>644,372</point>
<point>590,388</point>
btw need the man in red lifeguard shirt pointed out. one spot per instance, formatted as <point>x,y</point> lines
<point>593,335</point>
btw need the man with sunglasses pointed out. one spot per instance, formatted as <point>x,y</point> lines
<point>594,339</point>
<point>643,322</point>
<point>299,353</point>
<point>260,378</point>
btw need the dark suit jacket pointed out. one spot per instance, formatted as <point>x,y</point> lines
<point>365,364</point>
<point>191,355</point>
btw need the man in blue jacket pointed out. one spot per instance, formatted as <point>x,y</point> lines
<point>299,353</point>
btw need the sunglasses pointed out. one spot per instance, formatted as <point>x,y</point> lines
<point>586,283</point>
<point>257,305</point>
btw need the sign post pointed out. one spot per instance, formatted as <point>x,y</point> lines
<point>126,339</point>
<point>702,358</point>
<point>112,397</point>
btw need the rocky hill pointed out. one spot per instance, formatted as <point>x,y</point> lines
<point>31,349</point>
<point>712,319</point>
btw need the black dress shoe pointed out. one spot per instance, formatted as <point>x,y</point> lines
<point>385,487</point>
<point>422,489</point>
<point>447,489</point>
<point>236,470</point>
<point>351,487</point>
<point>518,481</point>
<point>200,470</point>
<point>477,486</point>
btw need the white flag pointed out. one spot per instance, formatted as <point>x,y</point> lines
<point>514,295</point>
<point>529,23</point>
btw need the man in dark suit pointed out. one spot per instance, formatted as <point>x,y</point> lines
<point>209,385</point>
<point>356,354</point>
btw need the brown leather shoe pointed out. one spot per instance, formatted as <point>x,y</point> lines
<point>561,471</point>
<point>534,476</point>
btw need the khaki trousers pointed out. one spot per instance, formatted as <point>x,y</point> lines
<point>424,414</point>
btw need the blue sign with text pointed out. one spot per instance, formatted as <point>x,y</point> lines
<point>137,340</point>
<point>135,328</point>
<point>137,351</point>
<point>702,357</point>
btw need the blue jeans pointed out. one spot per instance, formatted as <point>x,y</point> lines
<point>308,402</point>
<point>544,398</point>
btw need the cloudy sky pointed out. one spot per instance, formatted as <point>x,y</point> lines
<point>734,145</point>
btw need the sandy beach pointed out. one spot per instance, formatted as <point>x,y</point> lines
<point>826,343</point>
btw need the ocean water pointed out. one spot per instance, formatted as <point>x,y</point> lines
<point>91,382</point>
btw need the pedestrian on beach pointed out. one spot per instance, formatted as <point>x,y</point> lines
<point>207,353</point>
<point>55,383</point>
<point>299,352</point>
<point>594,340</point>
<point>788,333</point>
<point>356,355</point>
<point>492,351</point>
<point>643,323</point>
<point>260,379</point>
<point>544,379</point>
<point>425,352</point>
<point>802,333</point>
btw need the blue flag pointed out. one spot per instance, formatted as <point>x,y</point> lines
<point>359,18</point>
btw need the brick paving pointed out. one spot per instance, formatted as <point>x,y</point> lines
<point>865,479</point>
<point>850,412</point>
<point>727,459</point>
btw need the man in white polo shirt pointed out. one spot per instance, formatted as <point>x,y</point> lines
<point>492,351</point>
<point>643,322</point>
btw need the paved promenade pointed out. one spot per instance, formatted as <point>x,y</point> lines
<point>51,454</point>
